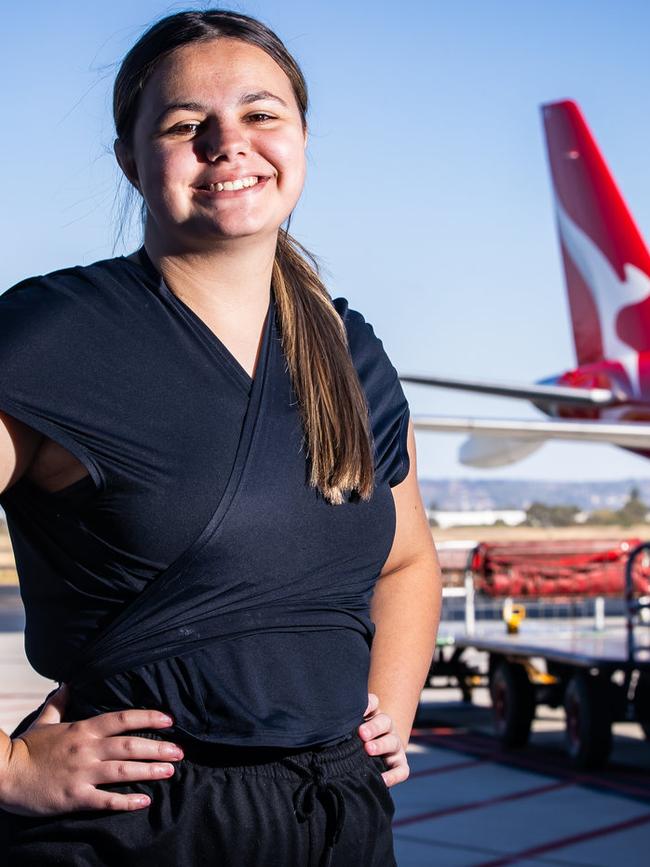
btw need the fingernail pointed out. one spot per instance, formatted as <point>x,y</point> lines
<point>166,719</point>
<point>174,752</point>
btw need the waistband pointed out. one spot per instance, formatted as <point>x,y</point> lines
<point>347,754</point>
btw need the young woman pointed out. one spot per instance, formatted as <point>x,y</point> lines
<point>209,477</point>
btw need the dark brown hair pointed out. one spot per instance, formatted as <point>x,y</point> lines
<point>332,403</point>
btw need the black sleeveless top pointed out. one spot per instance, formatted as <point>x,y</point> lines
<point>194,569</point>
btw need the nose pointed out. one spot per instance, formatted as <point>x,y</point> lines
<point>226,140</point>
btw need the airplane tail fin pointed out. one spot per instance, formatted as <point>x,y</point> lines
<point>606,261</point>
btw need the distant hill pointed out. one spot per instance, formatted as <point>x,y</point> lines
<point>496,493</point>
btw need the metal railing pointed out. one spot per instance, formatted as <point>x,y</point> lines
<point>637,610</point>
<point>463,603</point>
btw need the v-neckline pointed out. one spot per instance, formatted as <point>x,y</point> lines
<point>103,655</point>
<point>209,335</point>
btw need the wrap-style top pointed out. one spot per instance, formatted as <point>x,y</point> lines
<point>193,569</point>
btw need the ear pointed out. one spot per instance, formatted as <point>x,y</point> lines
<point>126,162</point>
<point>306,135</point>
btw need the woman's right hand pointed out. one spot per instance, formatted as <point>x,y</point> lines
<point>54,767</point>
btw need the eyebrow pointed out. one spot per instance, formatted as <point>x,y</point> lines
<point>197,106</point>
<point>261,94</point>
<point>178,106</point>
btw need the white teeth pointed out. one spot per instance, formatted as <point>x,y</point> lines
<point>239,184</point>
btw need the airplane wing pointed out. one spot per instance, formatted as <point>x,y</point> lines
<point>634,435</point>
<point>539,393</point>
<point>497,442</point>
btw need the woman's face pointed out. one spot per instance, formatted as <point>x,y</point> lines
<point>218,112</point>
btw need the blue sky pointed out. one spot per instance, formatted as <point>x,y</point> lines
<point>427,200</point>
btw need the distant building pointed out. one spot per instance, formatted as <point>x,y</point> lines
<point>476,517</point>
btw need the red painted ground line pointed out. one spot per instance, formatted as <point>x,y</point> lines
<point>561,842</point>
<point>479,805</point>
<point>474,743</point>
<point>456,766</point>
<point>532,763</point>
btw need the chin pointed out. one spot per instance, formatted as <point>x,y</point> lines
<point>235,234</point>
<point>242,229</point>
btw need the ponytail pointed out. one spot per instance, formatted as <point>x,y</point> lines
<point>332,403</point>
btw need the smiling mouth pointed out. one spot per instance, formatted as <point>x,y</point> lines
<point>231,186</point>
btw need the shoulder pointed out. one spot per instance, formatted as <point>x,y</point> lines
<point>389,410</point>
<point>71,297</point>
<point>355,322</point>
<point>367,350</point>
<point>69,281</point>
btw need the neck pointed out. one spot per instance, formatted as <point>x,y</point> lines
<point>230,276</point>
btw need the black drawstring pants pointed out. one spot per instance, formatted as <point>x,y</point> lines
<point>227,807</point>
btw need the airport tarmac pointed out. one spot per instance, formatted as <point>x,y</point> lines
<point>466,802</point>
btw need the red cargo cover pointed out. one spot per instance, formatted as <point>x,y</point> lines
<point>567,567</point>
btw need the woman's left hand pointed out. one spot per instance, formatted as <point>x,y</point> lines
<point>381,739</point>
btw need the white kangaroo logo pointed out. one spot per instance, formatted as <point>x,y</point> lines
<point>609,293</point>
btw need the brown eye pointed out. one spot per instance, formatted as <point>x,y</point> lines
<point>185,127</point>
<point>260,116</point>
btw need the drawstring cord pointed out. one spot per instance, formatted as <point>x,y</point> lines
<point>316,780</point>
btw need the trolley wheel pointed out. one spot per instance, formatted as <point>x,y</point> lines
<point>588,735</point>
<point>642,702</point>
<point>513,703</point>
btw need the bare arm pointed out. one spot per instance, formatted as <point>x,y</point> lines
<point>405,608</point>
